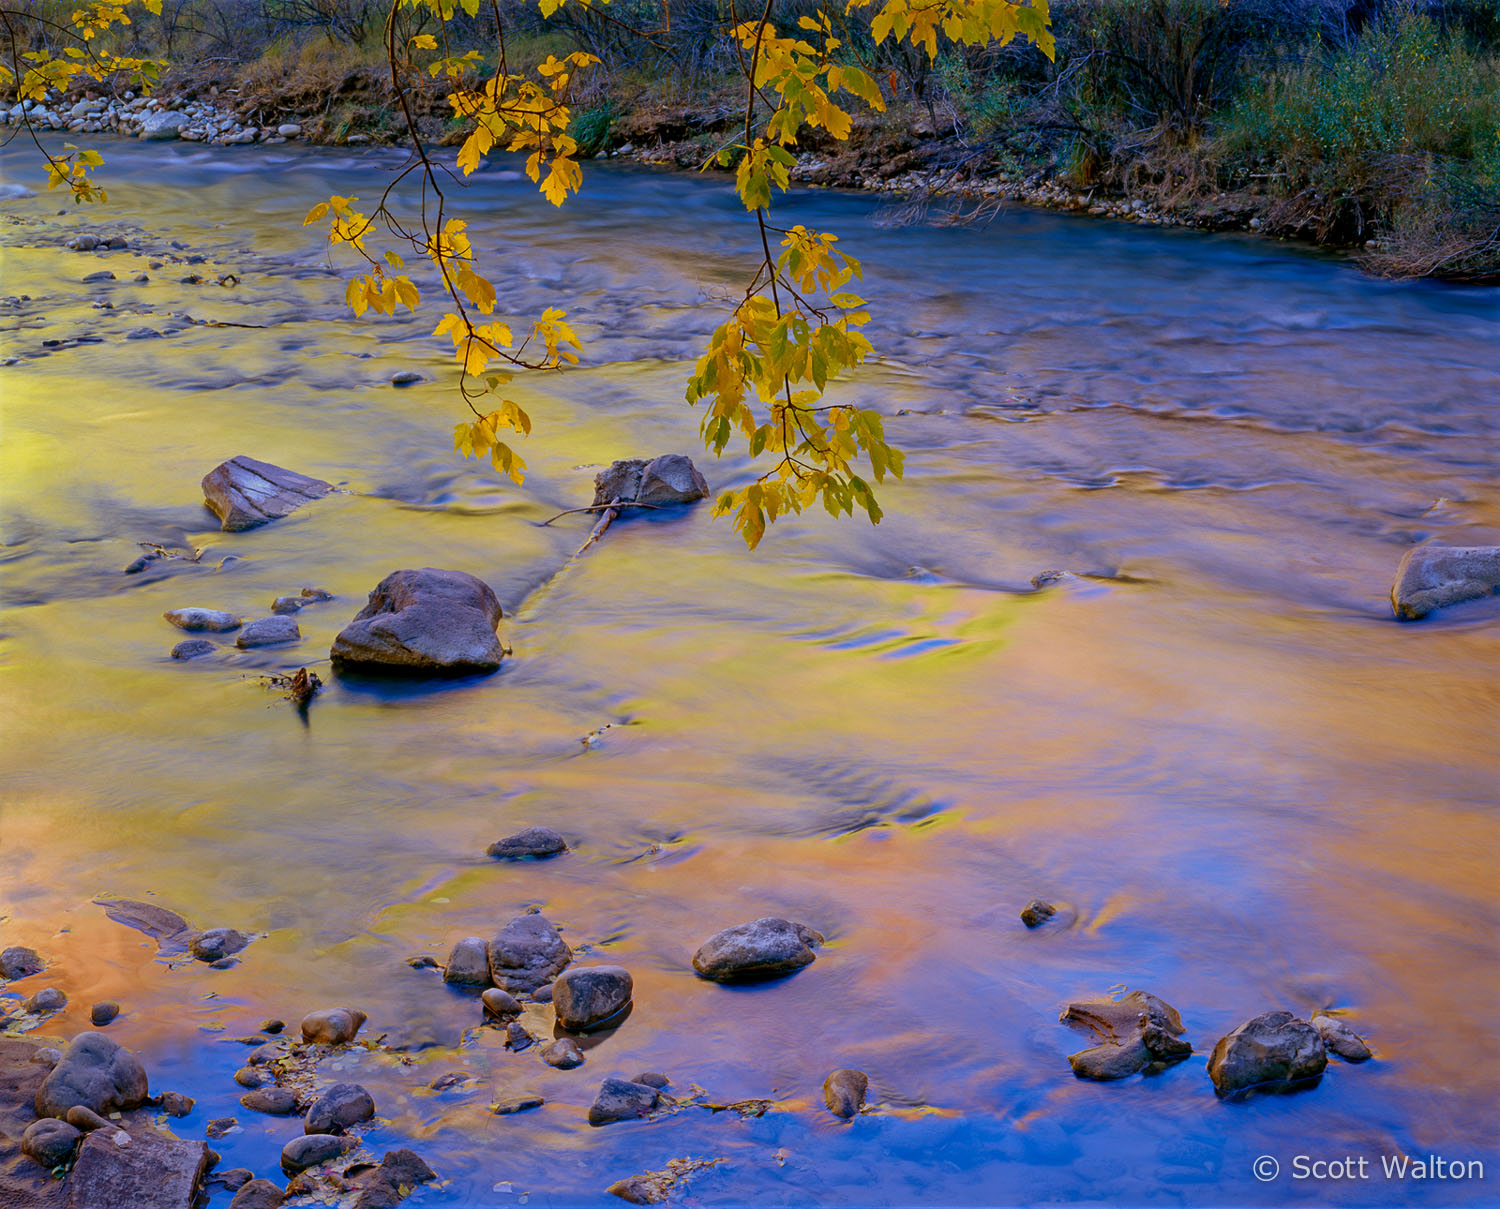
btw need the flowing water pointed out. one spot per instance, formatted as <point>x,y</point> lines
<point>1247,787</point>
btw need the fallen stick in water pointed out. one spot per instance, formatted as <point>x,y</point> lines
<point>611,510</point>
<point>595,508</point>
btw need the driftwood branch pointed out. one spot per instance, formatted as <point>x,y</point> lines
<point>611,510</point>
<point>595,508</point>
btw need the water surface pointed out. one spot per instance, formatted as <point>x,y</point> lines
<point>1246,785</point>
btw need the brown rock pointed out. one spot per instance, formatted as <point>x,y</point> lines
<point>152,1172</point>
<point>844,1092</point>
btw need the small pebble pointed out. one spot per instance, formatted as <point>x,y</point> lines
<point>564,1054</point>
<point>516,1103</point>
<point>175,1104</point>
<point>1037,912</point>
<point>220,1126</point>
<point>248,1076</point>
<point>102,1013</point>
<point>272,1026</point>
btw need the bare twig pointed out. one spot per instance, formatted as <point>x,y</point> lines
<point>596,508</point>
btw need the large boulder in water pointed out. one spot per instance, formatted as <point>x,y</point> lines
<point>527,954</point>
<point>586,997</point>
<point>244,493</point>
<point>1273,1052</point>
<point>669,479</point>
<point>763,948</point>
<point>95,1072</point>
<point>426,622</point>
<point>1431,577</point>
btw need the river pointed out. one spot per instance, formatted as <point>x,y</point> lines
<point>1244,783</point>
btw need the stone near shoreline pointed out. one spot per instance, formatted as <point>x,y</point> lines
<point>1273,1052</point>
<point>258,1194</point>
<point>427,622</point>
<point>764,948</point>
<point>50,1142</point>
<point>48,999</point>
<point>273,1101</point>
<point>149,1171</point>
<point>20,962</point>
<point>96,1073</point>
<point>1432,577</point>
<point>526,954</point>
<point>244,493</point>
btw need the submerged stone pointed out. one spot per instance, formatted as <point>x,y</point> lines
<point>1432,577</point>
<point>1341,1039</point>
<point>844,1092</point>
<point>532,842</point>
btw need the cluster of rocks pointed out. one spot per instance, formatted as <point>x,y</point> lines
<point>1274,1052</point>
<point>152,118</point>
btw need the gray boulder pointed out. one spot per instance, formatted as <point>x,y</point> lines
<point>844,1092</point>
<point>526,954</point>
<point>49,1142</point>
<point>469,963</point>
<point>214,621</point>
<point>424,622</point>
<point>533,841</point>
<point>269,631</point>
<point>96,1073</point>
<point>150,1171</point>
<point>587,996</point>
<point>342,1105</point>
<point>669,479</point>
<point>619,1100</point>
<point>48,999</point>
<point>163,125</point>
<point>313,1148</point>
<point>1431,577</point>
<point>764,948</point>
<point>193,648</point>
<point>1273,1052</point>
<point>20,962</point>
<point>244,492</point>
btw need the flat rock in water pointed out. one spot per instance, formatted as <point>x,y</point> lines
<point>333,1026</point>
<point>1118,1020</point>
<point>244,492</point>
<point>1431,577</point>
<point>96,1073</point>
<point>217,943</point>
<point>172,933</point>
<point>400,1173</point>
<point>1273,1052</point>
<point>285,605</point>
<point>193,648</point>
<point>424,622</point>
<point>20,962</point>
<point>519,1102</point>
<point>1341,1039</point>
<point>764,948</point>
<point>619,1100</point>
<point>213,621</point>
<point>23,1182</point>
<point>273,1101</point>
<point>533,841</point>
<point>342,1105</point>
<point>669,479</point>
<point>152,1171</point>
<point>587,996</point>
<point>468,963</point>
<point>269,631</point>
<point>526,954</point>
<point>844,1092</point>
